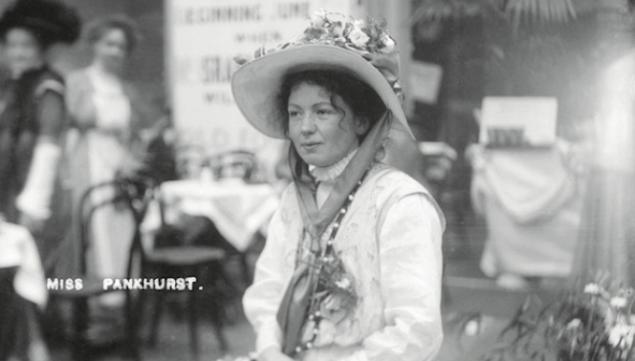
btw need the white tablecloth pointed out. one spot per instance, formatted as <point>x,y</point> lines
<point>531,204</point>
<point>238,209</point>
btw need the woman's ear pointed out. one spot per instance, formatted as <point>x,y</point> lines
<point>362,124</point>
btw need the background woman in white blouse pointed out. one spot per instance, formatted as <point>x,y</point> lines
<point>106,119</point>
<point>351,269</point>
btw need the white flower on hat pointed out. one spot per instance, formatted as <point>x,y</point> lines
<point>337,17</point>
<point>387,44</point>
<point>319,18</point>
<point>359,23</point>
<point>358,37</point>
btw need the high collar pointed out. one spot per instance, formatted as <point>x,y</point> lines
<point>329,173</point>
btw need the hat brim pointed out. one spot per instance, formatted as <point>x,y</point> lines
<point>53,21</point>
<point>256,85</point>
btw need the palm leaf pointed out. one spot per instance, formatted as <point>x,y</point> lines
<point>543,10</point>
<point>437,10</point>
<point>517,11</point>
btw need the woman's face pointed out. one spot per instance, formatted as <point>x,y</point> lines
<point>322,132</point>
<point>22,51</point>
<point>111,49</point>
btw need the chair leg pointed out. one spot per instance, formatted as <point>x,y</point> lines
<point>79,346</point>
<point>193,324</point>
<point>218,273</point>
<point>134,317</point>
<point>133,320</point>
<point>157,311</point>
<point>229,289</point>
<point>217,323</point>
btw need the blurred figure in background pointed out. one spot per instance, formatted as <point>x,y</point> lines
<point>160,160</point>
<point>106,116</point>
<point>32,119</point>
<point>33,115</point>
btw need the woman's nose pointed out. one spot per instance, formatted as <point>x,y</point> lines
<point>117,51</point>
<point>307,125</point>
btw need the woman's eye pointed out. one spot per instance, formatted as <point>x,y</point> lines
<point>293,114</point>
<point>324,111</point>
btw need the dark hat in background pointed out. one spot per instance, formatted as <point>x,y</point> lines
<point>51,21</point>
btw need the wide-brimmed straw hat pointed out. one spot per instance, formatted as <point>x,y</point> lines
<point>331,42</point>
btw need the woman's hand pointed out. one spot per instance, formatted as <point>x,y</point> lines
<point>273,354</point>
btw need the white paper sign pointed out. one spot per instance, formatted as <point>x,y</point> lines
<point>204,37</point>
<point>519,121</point>
<point>425,81</point>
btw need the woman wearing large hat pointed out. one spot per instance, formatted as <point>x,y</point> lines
<point>33,113</point>
<point>351,269</point>
<point>32,117</point>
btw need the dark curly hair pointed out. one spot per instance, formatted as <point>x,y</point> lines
<point>363,100</point>
<point>50,21</point>
<point>98,28</point>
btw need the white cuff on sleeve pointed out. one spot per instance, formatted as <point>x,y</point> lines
<point>35,198</point>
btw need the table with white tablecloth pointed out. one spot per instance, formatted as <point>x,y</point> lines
<point>531,202</point>
<point>238,209</point>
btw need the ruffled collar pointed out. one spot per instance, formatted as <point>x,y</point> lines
<point>329,173</point>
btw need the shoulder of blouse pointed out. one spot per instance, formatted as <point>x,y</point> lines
<point>288,194</point>
<point>392,179</point>
<point>78,79</point>
<point>392,185</point>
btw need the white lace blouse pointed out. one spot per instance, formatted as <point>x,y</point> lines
<point>390,241</point>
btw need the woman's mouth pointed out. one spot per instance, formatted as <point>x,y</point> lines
<point>310,146</point>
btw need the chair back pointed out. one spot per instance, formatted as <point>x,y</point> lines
<point>129,195</point>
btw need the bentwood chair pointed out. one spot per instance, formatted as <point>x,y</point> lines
<point>179,258</point>
<point>82,346</point>
<point>241,164</point>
